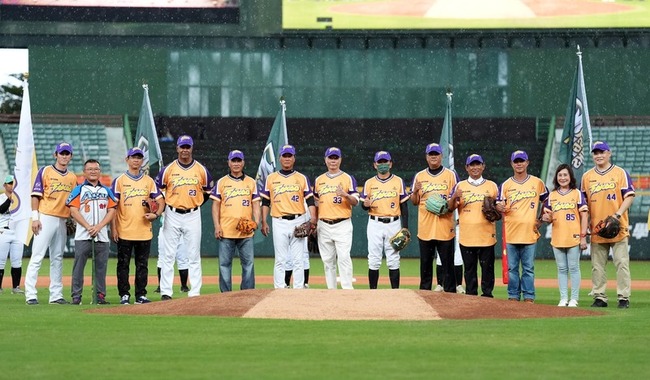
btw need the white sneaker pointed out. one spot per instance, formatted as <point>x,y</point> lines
<point>125,299</point>
<point>306,286</point>
<point>573,303</point>
<point>459,289</point>
<point>563,303</point>
<point>438,289</point>
<point>17,290</point>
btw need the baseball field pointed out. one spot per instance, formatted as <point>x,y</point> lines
<point>464,14</point>
<point>64,341</point>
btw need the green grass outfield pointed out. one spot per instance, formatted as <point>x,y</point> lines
<point>63,342</point>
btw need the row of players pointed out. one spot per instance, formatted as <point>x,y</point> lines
<point>290,200</point>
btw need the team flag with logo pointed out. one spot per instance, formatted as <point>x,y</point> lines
<point>277,138</point>
<point>447,137</point>
<point>146,137</point>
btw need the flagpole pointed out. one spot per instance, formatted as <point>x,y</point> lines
<point>583,90</point>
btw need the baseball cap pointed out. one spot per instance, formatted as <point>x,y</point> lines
<point>333,151</point>
<point>600,145</point>
<point>288,149</point>
<point>236,154</point>
<point>63,147</point>
<point>433,147</point>
<point>519,154</point>
<point>135,151</point>
<point>9,179</point>
<point>382,155</point>
<point>473,157</point>
<point>184,140</point>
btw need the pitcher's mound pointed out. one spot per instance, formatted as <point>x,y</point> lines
<point>317,304</point>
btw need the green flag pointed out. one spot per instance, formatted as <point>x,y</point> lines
<point>447,137</point>
<point>277,138</point>
<point>576,135</point>
<point>146,137</point>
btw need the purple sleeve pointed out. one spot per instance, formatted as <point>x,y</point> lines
<point>354,185</point>
<point>630,186</point>
<point>307,192</point>
<point>114,190</point>
<point>160,176</point>
<point>210,184</point>
<point>38,183</point>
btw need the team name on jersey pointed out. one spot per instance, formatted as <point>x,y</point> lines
<point>326,189</point>
<point>235,192</point>
<point>60,187</point>
<point>383,194</point>
<point>598,187</point>
<point>282,188</point>
<point>92,196</point>
<point>473,198</point>
<point>134,192</point>
<point>559,206</point>
<point>429,187</point>
<point>521,195</point>
<point>183,181</point>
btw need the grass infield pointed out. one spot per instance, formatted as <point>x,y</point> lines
<point>53,341</point>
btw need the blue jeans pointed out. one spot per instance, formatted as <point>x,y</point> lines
<point>226,253</point>
<point>523,254</point>
<point>568,265</point>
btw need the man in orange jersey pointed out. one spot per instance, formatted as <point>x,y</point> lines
<point>235,196</point>
<point>519,198</point>
<point>609,192</point>
<point>336,192</point>
<point>477,235</point>
<point>132,228</point>
<point>51,189</point>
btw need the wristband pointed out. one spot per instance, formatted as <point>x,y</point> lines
<point>35,215</point>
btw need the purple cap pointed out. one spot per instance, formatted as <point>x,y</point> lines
<point>600,145</point>
<point>333,151</point>
<point>236,154</point>
<point>288,149</point>
<point>433,147</point>
<point>519,154</point>
<point>9,179</point>
<point>472,158</point>
<point>382,155</point>
<point>64,147</point>
<point>184,140</point>
<point>135,151</point>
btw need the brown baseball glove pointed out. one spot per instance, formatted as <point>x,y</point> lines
<point>608,228</point>
<point>70,227</point>
<point>304,230</point>
<point>150,205</point>
<point>246,226</point>
<point>489,209</point>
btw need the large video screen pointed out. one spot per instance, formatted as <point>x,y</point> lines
<point>463,14</point>
<point>169,11</point>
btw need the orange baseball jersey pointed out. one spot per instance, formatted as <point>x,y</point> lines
<point>474,230</point>
<point>385,195</point>
<point>54,187</point>
<point>184,185</point>
<point>236,196</point>
<point>330,205</point>
<point>566,207</point>
<point>287,193</point>
<point>430,225</point>
<point>604,192</point>
<point>522,204</point>
<point>130,191</point>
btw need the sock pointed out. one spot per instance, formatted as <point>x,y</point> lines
<point>394,278</point>
<point>458,272</point>
<point>373,278</point>
<point>183,273</point>
<point>16,273</point>
<point>287,277</point>
<point>2,274</point>
<point>306,276</point>
<point>439,275</point>
<point>158,276</point>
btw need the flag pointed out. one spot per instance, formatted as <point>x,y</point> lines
<point>146,137</point>
<point>24,172</point>
<point>576,135</point>
<point>447,136</point>
<point>277,138</point>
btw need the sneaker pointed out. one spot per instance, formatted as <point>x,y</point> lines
<point>17,290</point>
<point>33,301</point>
<point>60,301</point>
<point>563,303</point>
<point>623,304</point>
<point>141,300</point>
<point>573,303</point>
<point>125,299</point>
<point>529,300</point>
<point>599,303</point>
<point>513,299</point>
<point>157,290</point>
<point>439,289</point>
<point>101,299</point>
<point>76,300</point>
<point>460,289</point>
<point>165,297</point>
<point>185,289</point>
<point>306,286</point>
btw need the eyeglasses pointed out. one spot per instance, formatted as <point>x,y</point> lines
<point>92,169</point>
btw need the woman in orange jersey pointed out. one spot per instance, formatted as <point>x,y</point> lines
<point>567,210</point>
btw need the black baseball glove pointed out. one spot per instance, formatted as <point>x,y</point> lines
<point>489,209</point>
<point>608,228</point>
<point>70,227</point>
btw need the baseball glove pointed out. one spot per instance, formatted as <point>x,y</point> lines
<point>70,227</point>
<point>246,226</point>
<point>437,204</point>
<point>150,205</point>
<point>304,230</point>
<point>608,228</point>
<point>490,209</point>
<point>401,239</point>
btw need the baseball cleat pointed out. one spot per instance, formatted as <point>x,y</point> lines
<point>101,299</point>
<point>185,289</point>
<point>563,303</point>
<point>76,300</point>
<point>573,303</point>
<point>125,299</point>
<point>599,303</point>
<point>60,301</point>
<point>165,297</point>
<point>623,304</point>
<point>141,300</point>
<point>460,289</point>
<point>33,301</point>
<point>438,289</point>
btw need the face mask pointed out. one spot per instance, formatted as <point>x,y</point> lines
<point>383,168</point>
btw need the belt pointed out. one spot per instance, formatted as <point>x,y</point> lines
<point>384,220</point>
<point>333,221</point>
<point>289,217</point>
<point>6,228</point>
<point>183,211</point>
